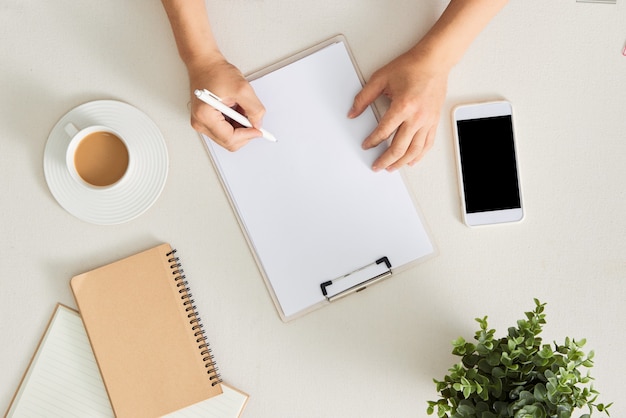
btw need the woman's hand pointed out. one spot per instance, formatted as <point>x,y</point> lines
<point>226,81</point>
<point>417,91</point>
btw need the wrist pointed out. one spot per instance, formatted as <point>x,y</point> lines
<point>434,56</point>
<point>202,59</point>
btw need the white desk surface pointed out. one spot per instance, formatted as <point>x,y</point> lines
<point>373,354</point>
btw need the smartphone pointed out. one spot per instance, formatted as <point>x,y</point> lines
<point>489,180</point>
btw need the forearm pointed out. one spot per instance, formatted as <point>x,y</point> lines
<point>192,31</point>
<point>461,22</point>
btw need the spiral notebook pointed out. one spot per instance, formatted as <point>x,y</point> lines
<point>321,224</point>
<point>147,339</point>
<point>63,380</point>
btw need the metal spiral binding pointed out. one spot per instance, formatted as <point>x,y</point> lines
<point>194,319</point>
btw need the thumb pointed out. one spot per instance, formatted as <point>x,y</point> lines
<point>252,108</point>
<point>372,89</point>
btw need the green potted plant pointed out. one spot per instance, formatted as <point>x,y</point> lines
<point>517,376</point>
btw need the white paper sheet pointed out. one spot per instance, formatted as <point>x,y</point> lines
<point>310,204</point>
<point>63,379</point>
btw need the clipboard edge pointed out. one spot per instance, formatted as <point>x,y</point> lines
<point>209,145</point>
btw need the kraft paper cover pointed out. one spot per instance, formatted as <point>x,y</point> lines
<point>143,342</point>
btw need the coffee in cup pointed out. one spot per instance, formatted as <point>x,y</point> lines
<point>97,156</point>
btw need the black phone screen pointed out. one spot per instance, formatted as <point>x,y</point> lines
<point>488,164</point>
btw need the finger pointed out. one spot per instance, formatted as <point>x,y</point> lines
<point>242,136</point>
<point>390,121</point>
<point>400,144</point>
<point>428,144</point>
<point>372,89</point>
<point>246,102</point>
<point>212,123</point>
<point>238,138</point>
<point>251,107</point>
<point>413,152</point>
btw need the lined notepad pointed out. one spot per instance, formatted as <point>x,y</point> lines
<point>63,380</point>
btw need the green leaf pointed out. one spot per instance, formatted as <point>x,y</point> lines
<point>540,392</point>
<point>545,352</point>
<point>459,342</point>
<point>465,410</point>
<point>442,413</point>
<point>497,372</point>
<point>478,388</point>
<point>484,395</point>
<point>483,322</point>
<point>493,358</point>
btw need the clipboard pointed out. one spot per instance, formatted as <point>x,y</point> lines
<point>320,223</point>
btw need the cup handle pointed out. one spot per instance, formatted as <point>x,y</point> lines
<point>71,129</point>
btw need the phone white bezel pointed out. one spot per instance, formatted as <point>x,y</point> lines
<point>478,111</point>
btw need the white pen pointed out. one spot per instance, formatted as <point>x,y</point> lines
<point>216,103</point>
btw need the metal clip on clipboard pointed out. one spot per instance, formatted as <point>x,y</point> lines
<point>351,288</point>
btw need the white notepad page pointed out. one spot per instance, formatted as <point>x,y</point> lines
<point>63,380</point>
<point>311,206</point>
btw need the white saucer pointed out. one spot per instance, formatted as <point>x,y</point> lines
<point>139,189</point>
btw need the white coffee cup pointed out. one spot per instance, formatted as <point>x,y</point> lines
<point>97,156</point>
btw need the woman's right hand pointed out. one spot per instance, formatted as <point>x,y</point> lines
<point>227,82</point>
